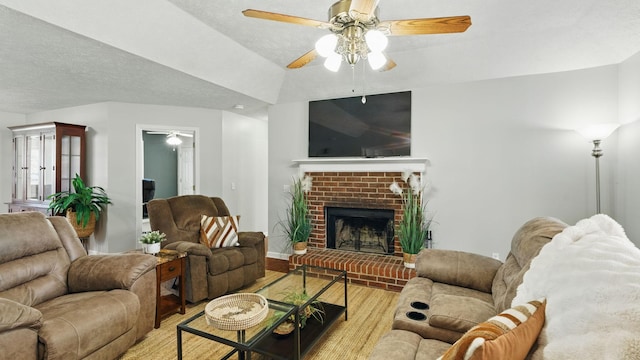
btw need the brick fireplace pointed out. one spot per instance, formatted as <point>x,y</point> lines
<point>363,190</point>
<point>361,184</point>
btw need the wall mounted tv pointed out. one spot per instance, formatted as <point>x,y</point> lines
<point>348,128</point>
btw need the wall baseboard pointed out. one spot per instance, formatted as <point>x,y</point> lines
<point>278,265</point>
<point>275,255</point>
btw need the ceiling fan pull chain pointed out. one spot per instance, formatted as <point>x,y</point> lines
<point>364,83</point>
<point>353,78</point>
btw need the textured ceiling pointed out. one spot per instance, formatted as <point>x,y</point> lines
<point>45,67</point>
<point>204,53</point>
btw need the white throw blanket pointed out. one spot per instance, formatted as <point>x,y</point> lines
<point>590,275</point>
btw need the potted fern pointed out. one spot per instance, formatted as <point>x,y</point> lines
<point>414,226</point>
<point>82,206</point>
<point>297,223</point>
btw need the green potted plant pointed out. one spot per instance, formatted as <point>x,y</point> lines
<point>297,223</point>
<point>151,241</point>
<point>414,225</point>
<point>297,298</point>
<point>82,206</point>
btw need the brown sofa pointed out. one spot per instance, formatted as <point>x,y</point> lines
<point>461,290</point>
<point>210,272</point>
<point>56,302</point>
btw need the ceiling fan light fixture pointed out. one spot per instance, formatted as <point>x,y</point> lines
<point>376,40</point>
<point>173,140</point>
<point>326,45</point>
<point>376,60</point>
<point>332,63</point>
<point>357,30</point>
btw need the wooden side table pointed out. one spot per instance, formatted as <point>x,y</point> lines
<point>170,266</point>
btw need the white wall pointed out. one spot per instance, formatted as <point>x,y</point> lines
<point>628,166</point>
<point>6,161</point>
<point>111,161</point>
<point>111,158</point>
<point>501,152</point>
<point>123,119</point>
<point>288,139</point>
<point>504,151</point>
<point>244,170</point>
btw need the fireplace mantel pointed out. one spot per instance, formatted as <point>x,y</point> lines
<point>356,164</point>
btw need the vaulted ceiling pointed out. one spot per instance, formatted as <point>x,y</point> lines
<point>205,53</point>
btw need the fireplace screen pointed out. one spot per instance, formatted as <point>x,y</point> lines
<point>362,230</point>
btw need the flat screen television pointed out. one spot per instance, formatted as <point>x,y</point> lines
<point>348,128</point>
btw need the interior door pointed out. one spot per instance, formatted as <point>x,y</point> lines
<point>186,184</point>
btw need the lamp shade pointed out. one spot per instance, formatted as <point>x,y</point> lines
<point>598,131</point>
<point>332,63</point>
<point>174,140</point>
<point>376,60</point>
<point>376,41</point>
<point>326,45</point>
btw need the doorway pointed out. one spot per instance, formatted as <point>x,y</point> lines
<point>165,165</point>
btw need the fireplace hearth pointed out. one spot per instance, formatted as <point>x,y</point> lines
<point>360,230</point>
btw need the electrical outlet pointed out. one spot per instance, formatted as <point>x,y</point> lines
<point>496,256</point>
<point>233,186</point>
<point>286,188</point>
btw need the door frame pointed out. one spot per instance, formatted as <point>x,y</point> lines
<point>140,165</point>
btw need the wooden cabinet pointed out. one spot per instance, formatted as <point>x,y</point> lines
<point>168,268</point>
<point>46,158</point>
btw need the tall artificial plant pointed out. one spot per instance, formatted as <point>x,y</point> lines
<point>297,222</point>
<point>414,226</point>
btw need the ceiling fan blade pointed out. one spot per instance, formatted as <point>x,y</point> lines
<point>259,14</point>
<point>441,25</point>
<point>390,64</point>
<point>303,60</point>
<point>363,10</point>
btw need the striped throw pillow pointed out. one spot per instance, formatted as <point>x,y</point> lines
<point>509,335</point>
<point>219,231</point>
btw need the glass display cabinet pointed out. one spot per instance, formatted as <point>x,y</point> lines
<point>46,158</point>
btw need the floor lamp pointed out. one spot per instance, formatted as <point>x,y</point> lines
<point>595,134</point>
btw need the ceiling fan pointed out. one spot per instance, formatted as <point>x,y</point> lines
<point>170,133</point>
<point>172,136</point>
<point>357,33</point>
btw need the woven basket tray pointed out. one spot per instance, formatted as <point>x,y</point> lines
<point>236,311</point>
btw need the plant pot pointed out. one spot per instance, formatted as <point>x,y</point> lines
<point>300,248</point>
<point>409,260</point>
<point>151,248</point>
<point>285,329</point>
<point>82,232</point>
